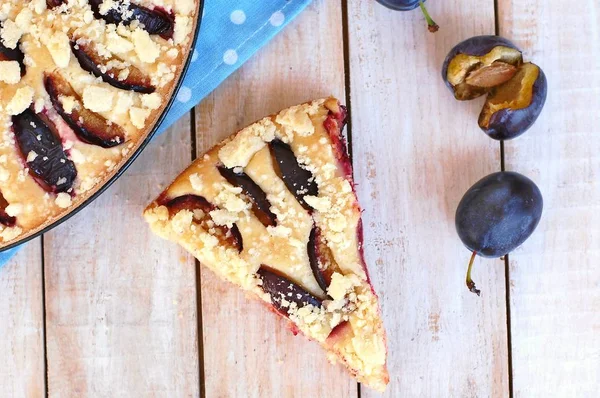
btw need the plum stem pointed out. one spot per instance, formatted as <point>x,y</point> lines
<point>470,283</point>
<point>432,26</point>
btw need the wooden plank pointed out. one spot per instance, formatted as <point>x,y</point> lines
<point>120,302</point>
<point>22,373</point>
<point>416,151</point>
<point>247,351</point>
<point>554,277</point>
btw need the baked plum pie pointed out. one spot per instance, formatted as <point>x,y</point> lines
<point>82,83</point>
<point>273,210</point>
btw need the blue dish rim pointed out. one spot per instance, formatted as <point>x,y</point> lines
<point>134,156</point>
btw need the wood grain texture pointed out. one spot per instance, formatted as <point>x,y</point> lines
<point>248,352</point>
<point>120,302</point>
<point>416,151</point>
<point>22,372</point>
<point>555,276</point>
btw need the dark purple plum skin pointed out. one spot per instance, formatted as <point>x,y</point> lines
<point>476,46</point>
<point>51,164</point>
<point>54,3</point>
<point>87,63</point>
<point>5,219</point>
<point>10,54</point>
<point>260,203</point>
<point>400,5</point>
<point>498,213</point>
<point>280,288</point>
<point>313,258</point>
<point>192,202</point>
<point>299,181</point>
<point>509,123</point>
<point>156,22</point>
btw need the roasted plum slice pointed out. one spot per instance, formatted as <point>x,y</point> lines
<point>497,214</point>
<point>320,258</point>
<point>13,54</point>
<point>41,148</point>
<point>512,108</point>
<point>473,67</point>
<point>201,209</point>
<point>109,70</point>
<point>89,126</point>
<point>155,21</point>
<point>5,219</point>
<point>283,291</point>
<point>299,181</point>
<point>54,3</point>
<point>260,204</point>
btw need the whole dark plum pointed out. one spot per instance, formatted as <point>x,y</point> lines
<point>512,108</point>
<point>477,64</point>
<point>497,214</point>
<point>407,5</point>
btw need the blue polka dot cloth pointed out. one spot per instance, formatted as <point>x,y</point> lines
<point>231,32</point>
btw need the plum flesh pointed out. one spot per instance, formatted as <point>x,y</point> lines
<point>260,204</point>
<point>201,209</point>
<point>512,108</point>
<point>46,159</point>
<point>283,291</point>
<point>299,181</point>
<point>477,64</point>
<point>88,126</point>
<point>91,62</point>
<point>498,214</point>
<point>155,21</point>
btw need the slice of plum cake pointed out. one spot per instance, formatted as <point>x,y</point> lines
<point>273,210</point>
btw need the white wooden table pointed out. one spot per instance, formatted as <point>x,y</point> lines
<point>100,307</point>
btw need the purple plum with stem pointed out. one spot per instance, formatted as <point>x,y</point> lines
<point>407,5</point>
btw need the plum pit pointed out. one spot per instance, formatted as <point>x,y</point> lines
<point>473,75</point>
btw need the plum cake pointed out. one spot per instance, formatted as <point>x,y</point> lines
<point>82,83</point>
<point>273,210</point>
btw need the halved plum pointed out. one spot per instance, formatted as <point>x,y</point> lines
<point>155,21</point>
<point>512,108</point>
<point>43,152</point>
<point>201,209</point>
<point>90,61</point>
<point>299,181</point>
<point>283,291</point>
<point>260,204</point>
<point>5,219</point>
<point>89,126</point>
<point>320,258</point>
<point>478,64</point>
<point>10,54</point>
